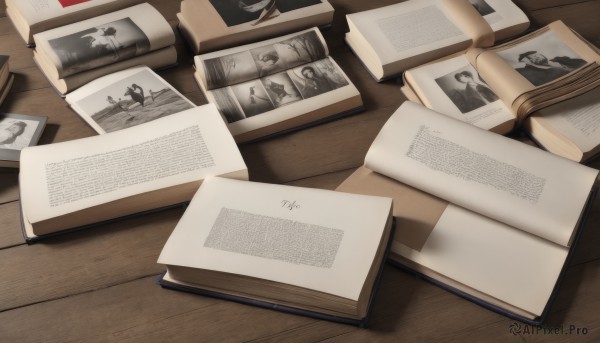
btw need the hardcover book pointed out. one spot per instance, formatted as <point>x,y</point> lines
<point>91,180</point>
<point>34,16</point>
<point>477,212</point>
<point>391,39</point>
<point>73,55</point>
<point>209,25</point>
<point>307,251</point>
<point>276,85</point>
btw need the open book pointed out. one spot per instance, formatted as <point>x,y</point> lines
<point>490,218</point>
<point>33,16</point>
<point>73,55</point>
<point>90,180</point>
<point>276,85</point>
<point>391,39</point>
<point>209,25</point>
<point>307,251</point>
<point>126,98</point>
<point>6,78</point>
<point>18,131</point>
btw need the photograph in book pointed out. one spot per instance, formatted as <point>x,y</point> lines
<point>542,59</point>
<point>225,102</point>
<point>466,90</point>
<point>253,98</point>
<point>281,89</point>
<point>131,101</point>
<point>100,45</point>
<point>482,7</point>
<point>265,60</point>
<point>67,3</point>
<point>235,12</point>
<point>16,134</point>
<point>317,78</point>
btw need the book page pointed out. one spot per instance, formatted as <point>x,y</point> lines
<point>576,118</point>
<point>35,11</point>
<point>507,264</point>
<point>317,239</point>
<point>185,147</point>
<point>505,18</point>
<point>454,88</point>
<point>126,98</point>
<point>105,39</point>
<point>489,174</point>
<point>252,61</point>
<point>288,94</point>
<point>407,29</point>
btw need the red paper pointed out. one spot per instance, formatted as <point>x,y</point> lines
<point>67,3</point>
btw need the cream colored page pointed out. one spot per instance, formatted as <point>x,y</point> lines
<point>576,118</point>
<point>453,87</point>
<point>147,18</point>
<point>491,257</point>
<point>251,61</point>
<point>407,29</point>
<point>236,97</point>
<point>347,227</point>
<point>39,10</point>
<point>65,177</point>
<point>503,13</point>
<point>492,175</point>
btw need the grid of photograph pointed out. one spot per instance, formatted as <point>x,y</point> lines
<point>137,99</point>
<point>100,45</point>
<point>274,91</point>
<point>542,59</point>
<point>466,89</point>
<point>262,61</point>
<point>236,12</point>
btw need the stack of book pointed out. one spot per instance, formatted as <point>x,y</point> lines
<point>73,55</point>
<point>209,25</point>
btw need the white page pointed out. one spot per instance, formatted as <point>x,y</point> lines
<point>507,264</point>
<point>356,222</point>
<point>492,175</point>
<point>39,10</point>
<point>440,89</point>
<point>215,153</point>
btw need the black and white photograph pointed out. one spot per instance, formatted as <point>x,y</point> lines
<point>281,89</point>
<point>226,105</point>
<point>466,90</point>
<point>253,98</point>
<point>236,12</point>
<point>268,61</point>
<point>542,59</point>
<point>230,69</point>
<point>19,131</point>
<point>100,45</point>
<point>134,100</point>
<point>317,78</point>
<point>300,49</point>
<point>482,7</point>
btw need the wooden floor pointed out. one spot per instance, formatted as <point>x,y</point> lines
<point>99,285</point>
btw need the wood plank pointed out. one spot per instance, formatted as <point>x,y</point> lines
<point>573,16</point>
<point>9,189</point>
<point>10,223</point>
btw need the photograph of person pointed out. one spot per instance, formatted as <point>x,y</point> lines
<point>482,7</point>
<point>253,98</point>
<point>267,60</point>
<point>281,89</point>
<point>134,100</point>
<point>317,78</point>
<point>235,12</point>
<point>542,59</point>
<point>466,90</point>
<point>16,134</point>
<point>100,45</point>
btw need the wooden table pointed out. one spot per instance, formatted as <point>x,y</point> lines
<point>99,284</point>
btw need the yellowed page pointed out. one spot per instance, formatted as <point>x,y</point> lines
<point>252,105</point>
<point>576,118</point>
<point>341,231</point>
<point>453,87</point>
<point>471,21</point>
<point>62,178</point>
<point>497,177</point>
<point>251,61</point>
<point>510,265</point>
<point>122,34</point>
